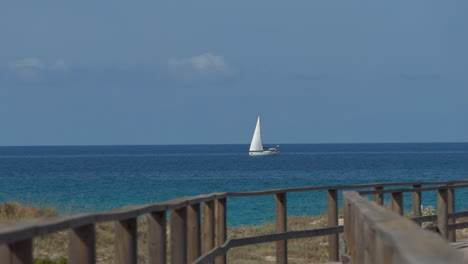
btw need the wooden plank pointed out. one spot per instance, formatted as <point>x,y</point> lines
<point>357,257</point>
<point>193,233</point>
<point>178,237</point>
<point>417,201</point>
<point>126,241</point>
<point>20,252</point>
<point>400,236</point>
<point>347,225</point>
<point>221,227</point>
<point>157,238</point>
<point>82,245</point>
<point>208,227</point>
<point>426,218</point>
<point>246,241</point>
<point>405,190</point>
<point>458,214</point>
<point>442,212</point>
<point>281,226</point>
<point>240,242</point>
<point>379,197</point>
<point>461,225</point>
<point>397,202</point>
<point>332,198</point>
<point>451,236</point>
<point>338,187</point>
<point>352,219</point>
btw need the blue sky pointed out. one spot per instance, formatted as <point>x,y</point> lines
<point>169,72</point>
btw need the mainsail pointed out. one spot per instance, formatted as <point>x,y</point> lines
<point>256,144</point>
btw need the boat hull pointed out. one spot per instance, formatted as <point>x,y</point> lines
<point>263,153</point>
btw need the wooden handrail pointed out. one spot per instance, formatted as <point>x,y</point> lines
<point>339,187</point>
<point>425,189</point>
<point>36,227</point>
<point>210,239</point>
<point>374,234</point>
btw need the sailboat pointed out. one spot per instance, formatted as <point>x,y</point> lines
<point>256,146</point>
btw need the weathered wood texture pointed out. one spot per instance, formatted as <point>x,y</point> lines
<point>20,252</point>
<point>193,232</point>
<point>126,241</point>
<point>157,238</point>
<point>220,227</point>
<point>343,187</point>
<point>397,202</point>
<point>379,197</point>
<point>405,190</point>
<point>442,212</point>
<point>208,227</point>
<point>82,245</point>
<point>281,226</point>
<point>377,235</point>
<point>450,210</point>
<point>178,236</point>
<point>332,198</point>
<point>417,201</point>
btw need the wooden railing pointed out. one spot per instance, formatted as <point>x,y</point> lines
<point>374,234</point>
<point>198,231</point>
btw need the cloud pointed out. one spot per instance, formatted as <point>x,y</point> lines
<point>32,67</point>
<point>204,67</point>
<point>60,65</point>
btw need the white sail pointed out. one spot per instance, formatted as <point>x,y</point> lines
<point>256,144</point>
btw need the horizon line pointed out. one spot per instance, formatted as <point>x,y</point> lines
<point>220,144</point>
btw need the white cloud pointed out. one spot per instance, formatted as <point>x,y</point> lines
<point>60,65</point>
<point>26,63</point>
<point>28,68</point>
<point>204,67</point>
<point>31,67</point>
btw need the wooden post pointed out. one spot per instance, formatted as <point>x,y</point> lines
<point>221,228</point>
<point>347,224</point>
<point>157,238</point>
<point>193,232</point>
<point>126,241</point>
<point>333,221</point>
<point>451,209</point>
<point>20,252</point>
<point>416,202</point>
<point>397,203</point>
<point>281,226</point>
<point>82,245</point>
<point>178,238</point>
<point>379,198</point>
<point>208,227</point>
<point>442,210</point>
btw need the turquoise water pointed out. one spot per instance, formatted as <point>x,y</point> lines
<point>92,178</point>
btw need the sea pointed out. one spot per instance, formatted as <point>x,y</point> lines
<point>76,179</point>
